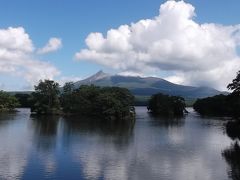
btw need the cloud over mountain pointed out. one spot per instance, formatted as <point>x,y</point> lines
<point>192,53</point>
<point>17,57</point>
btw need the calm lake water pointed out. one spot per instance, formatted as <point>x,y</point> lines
<point>56,148</point>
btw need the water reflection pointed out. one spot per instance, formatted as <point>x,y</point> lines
<point>232,157</point>
<point>45,131</point>
<point>6,117</point>
<point>15,145</point>
<point>232,154</point>
<point>166,121</point>
<point>78,148</point>
<point>118,128</point>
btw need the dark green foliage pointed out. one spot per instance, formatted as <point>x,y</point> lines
<point>232,129</point>
<point>106,103</point>
<point>216,106</point>
<point>222,105</point>
<point>24,100</point>
<point>45,99</point>
<point>233,104</point>
<point>7,102</point>
<point>166,105</point>
<point>67,97</point>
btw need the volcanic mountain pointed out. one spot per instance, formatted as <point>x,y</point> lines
<point>146,86</point>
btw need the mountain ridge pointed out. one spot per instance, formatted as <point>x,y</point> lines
<point>146,86</point>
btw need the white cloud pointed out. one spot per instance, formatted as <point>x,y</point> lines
<point>193,53</point>
<point>53,45</point>
<point>175,79</point>
<point>17,57</point>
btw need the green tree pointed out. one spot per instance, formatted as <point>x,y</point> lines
<point>67,97</point>
<point>213,106</point>
<point>24,100</point>
<point>103,103</point>
<point>165,105</point>
<point>222,105</point>
<point>45,99</point>
<point>7,102</point>
<point>234,97</point>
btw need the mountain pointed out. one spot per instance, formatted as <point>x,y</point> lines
<point>146,86</point>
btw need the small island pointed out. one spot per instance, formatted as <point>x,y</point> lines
<point>109,103</point>
<point>165,105</point>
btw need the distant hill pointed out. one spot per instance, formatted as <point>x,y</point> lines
<point>146,86</point>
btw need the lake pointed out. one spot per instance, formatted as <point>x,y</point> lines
<point>153,148</point>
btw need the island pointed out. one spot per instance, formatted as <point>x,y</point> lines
<point>109,103</point>
<point>165,105</point>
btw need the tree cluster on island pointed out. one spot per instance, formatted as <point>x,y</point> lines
<point>111,103</point>
<point>165,105</point>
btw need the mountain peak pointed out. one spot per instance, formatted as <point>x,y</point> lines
<point>99,75</point>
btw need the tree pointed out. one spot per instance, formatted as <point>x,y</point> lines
<point>23,99</point>
<point>235,85</point>
<point>165,105</point>
<point>234,97</point>
<point>214,106</point>
<point>7,102</point>
<point>45,99</point>
<point>104,103</point>
<point>222,105</point>
<point>67,97</point>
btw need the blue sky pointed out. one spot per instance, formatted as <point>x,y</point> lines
<point>73,20</point>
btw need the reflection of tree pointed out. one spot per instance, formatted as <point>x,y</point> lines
<point>45,129</point>
<point>6,116</point>
<point>167,121</point>
<point>120,131</point>
<point>232,157</point>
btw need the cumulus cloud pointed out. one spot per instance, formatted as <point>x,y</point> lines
<point>193,53</point>
<point>17,57</point>
<point>53,45</point>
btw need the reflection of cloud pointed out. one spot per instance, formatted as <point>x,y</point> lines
<point>48,161</point>
<point>119,171</point>
<point>186,151</point>
<point>92,164</point>
<point>103,161</point>
<point>103,148</point>
<point>14,147</point>
<point>176,135</point>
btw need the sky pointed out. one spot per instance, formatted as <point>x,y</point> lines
<point>186,42</point>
